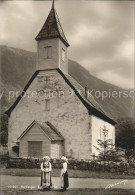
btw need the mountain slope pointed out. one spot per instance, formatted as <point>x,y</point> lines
<point>117,107</point>
<point>17,66</point>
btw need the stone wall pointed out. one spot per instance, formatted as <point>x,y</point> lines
<point>113,167</point>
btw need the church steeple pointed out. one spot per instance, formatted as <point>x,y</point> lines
<point>52,28</point>
<point>52,44</point>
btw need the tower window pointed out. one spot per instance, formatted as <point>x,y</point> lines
<point>48,52</point>
<point>105,132</point>
<point>47,104</point>
<point>63,55</point>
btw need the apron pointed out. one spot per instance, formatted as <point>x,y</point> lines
<point>46,176</point>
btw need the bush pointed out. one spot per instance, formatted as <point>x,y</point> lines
<point>16,149</point>
<point>4,129</point>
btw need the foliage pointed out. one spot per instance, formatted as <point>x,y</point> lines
<point>125,134</point>
<point>107,151</point>
<point>130,155</point>
<point>16,149</point>
<point>4,129</point>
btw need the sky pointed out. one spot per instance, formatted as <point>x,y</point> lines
<point>100,33</point>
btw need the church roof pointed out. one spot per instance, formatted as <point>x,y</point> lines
<point>52,28</point>
<point>90,99</point>
<point>50,131</point>
<point>90,103</point>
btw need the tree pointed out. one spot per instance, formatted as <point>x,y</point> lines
<point>4,129</point>
<point>107,150</point>
<point>130,155</point>
<point>125,133</point>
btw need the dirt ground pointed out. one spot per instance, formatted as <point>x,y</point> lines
<point>23,185</point>
<point>70,192</point>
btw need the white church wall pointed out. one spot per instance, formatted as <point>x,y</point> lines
<point>97,127</point>
<point>67,114</point>
<point>63,63</point>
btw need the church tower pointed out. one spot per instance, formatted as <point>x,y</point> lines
<point>52,44</point>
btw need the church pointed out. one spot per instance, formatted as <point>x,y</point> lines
<point>54,115</point>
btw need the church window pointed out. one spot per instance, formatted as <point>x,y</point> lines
<point>105,132</point>
<point>47,104</point>
<point>47,80</point>
<point>63,55</point>
<point>48,52</point>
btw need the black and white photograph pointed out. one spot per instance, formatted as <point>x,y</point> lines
<point>67,84</point>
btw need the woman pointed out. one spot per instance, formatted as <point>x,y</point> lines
<point>46,169</point>
<point>64,174</point>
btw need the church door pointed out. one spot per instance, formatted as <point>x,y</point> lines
<point>35,149</point>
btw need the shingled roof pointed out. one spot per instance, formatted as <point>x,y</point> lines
<point>50,131</point>
<point>52,28</point>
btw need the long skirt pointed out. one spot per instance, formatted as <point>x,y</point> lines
<point>46,179</point>
<point>64,180</point>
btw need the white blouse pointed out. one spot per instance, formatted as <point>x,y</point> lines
<point>64,169</point>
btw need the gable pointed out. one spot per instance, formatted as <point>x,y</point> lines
<point>39,131</point>
<point>33,132</point>
<point>91,105</point>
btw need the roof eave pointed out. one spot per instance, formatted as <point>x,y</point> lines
<point>98,114</point>
<point>53,37</point>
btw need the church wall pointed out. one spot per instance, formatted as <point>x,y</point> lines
<point>97,133</point>
<point>67,114</point>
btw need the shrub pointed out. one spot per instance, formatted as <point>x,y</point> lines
<point>16,149</point>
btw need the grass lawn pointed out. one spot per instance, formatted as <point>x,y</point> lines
<point>72,173</point>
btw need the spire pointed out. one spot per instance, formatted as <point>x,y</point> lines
<point>53,4</point>
<point>52,28</point>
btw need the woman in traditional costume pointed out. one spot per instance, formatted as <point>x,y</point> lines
<point>46,169</point>
<point>64,174</point>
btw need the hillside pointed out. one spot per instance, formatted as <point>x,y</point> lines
<point>17,66</point>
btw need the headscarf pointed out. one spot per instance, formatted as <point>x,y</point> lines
<point>64,158</point>
<point>46,157</point>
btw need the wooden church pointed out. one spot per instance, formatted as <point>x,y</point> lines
<point>50,117</point>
